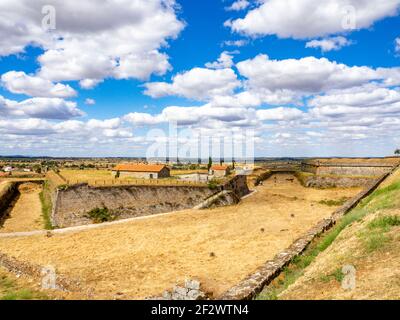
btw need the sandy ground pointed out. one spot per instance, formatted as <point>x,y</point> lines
<point>26,215</point>
<point>143,258</point>
<point>377,273</point>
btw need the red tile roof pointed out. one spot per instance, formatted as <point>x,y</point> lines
<point>140,167</point>
<point>218,167</point>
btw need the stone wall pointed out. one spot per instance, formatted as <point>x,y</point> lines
<point>315,181</point>
<point>354,170</point>
<point>71,204</point>
<point>8,192</point>
<point>74,202</point>
<point>346,169</point>
<point>238,185</point>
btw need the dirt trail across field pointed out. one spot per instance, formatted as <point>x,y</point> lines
<point>26,214</point>
<point>219,246</point>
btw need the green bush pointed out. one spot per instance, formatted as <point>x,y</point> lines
<point>334,203</point>
<point>100,215</point>
<point>45,199</point>
<point>213,184</point>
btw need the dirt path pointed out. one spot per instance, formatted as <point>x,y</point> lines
<point>26,214</point>
<point>219,247</point>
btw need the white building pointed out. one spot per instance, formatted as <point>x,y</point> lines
<point>142,171</point>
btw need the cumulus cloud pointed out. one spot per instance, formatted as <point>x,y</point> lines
<point>360,102</point>
<point>280,113</point>
<point>303,19</point>
<point>397,45</point>
<point>329,44</point>
<point>197,83</point>
<point>21,83</point>
<point>238,5</point>
<point>44,108</point>
<point>92,40</point>
<point>236,43</point>
<point>306,75</point>
<point>90,102</point>
<point>89,83</point>
<point>198,115</point>
<point>140,119</point>
<point>225,60</point>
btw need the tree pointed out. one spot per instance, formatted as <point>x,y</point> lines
<point>117,175</point>
<point>209,163</point>
<point>397,152</point>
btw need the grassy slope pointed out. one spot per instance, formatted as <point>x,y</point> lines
<point>12,288</point>
<point>367,238</point>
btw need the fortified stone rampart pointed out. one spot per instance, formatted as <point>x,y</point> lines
<point>72,203</point>
<point>347,169</point>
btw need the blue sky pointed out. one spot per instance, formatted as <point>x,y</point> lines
<point>293,73</point>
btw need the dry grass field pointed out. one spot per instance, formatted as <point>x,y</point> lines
<point>26,214</point>
<point>105,177</point>
<point>219,247</point>
<point>86,175</point>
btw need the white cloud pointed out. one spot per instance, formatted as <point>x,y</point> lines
<point>198,83</point>
<point>89,83</point>
<point>307,75</point>
<point>200,115</point>
<point>21,83</point>
<point>278,114</point>
<point>363,97</point>
<point>44,108</point>
<point>236,43</point>
<point>238,5</point>
<point>141,119</point>
<point>92,40</point>
<point>359,102</point>
<point>113,123</point>
<point>329,44</point>
<point>302,19</point>
<point>225,60</point>
<point>90,102</point>
<point>397,45</point>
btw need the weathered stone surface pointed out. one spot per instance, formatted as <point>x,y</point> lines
<point>190,291</point>
<point>194,294</point>
<point>167,295</point>
<point>180,290</point>
<point>192,284</point>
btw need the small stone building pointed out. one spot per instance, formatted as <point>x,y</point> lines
<point>219,171</point>
<point>142,171</point>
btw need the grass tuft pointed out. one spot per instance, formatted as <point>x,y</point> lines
<point>45,199</point>
<point>334,203</point>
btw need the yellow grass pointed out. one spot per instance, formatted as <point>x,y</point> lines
<point>26,214</point>
<point>106,178</point>
<point>180,172</point>
<point>144,257</point>
<point>84,175</point>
